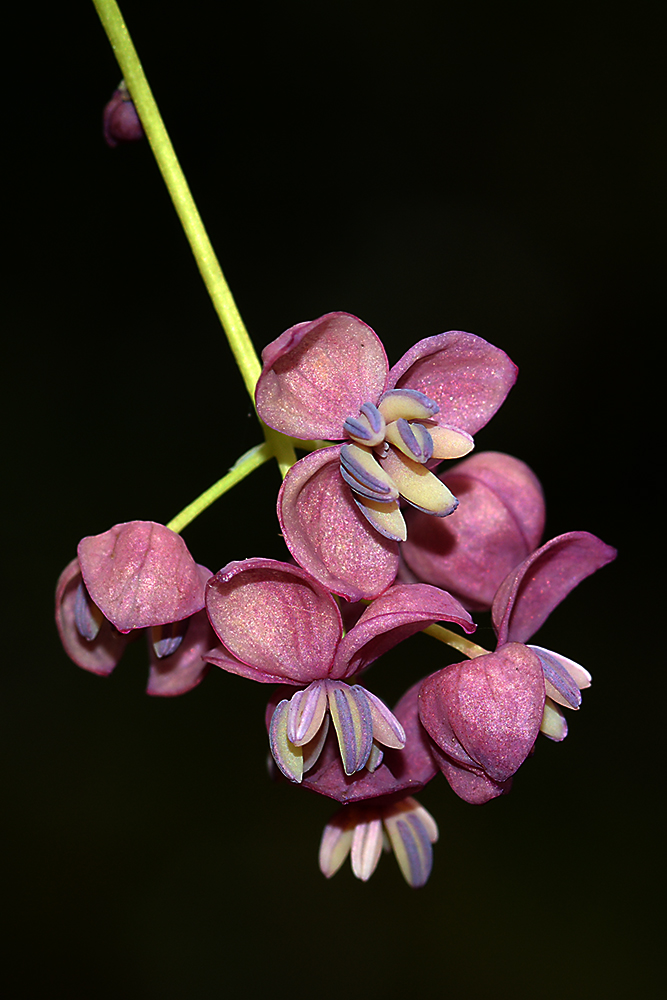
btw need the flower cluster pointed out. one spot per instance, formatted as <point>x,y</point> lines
<point>383,545</point>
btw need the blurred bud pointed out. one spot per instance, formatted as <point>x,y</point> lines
<point>120,121</point>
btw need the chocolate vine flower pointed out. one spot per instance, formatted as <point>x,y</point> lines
<point>330,379</point>
<point>484,714</point>
<point>278,625</point>
<point>498,523</point>
<point>120,121</point>
<point>136,576</point>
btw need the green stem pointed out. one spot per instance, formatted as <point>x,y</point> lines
<point>209,268</point>
<point>465,646</point>
<point>243,467</point>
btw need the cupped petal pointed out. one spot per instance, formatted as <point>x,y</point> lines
<point>473,786</point>
<point>141,574</point>
<point>465,375</point>
<point>492,705</point>
<point>326,533</point>
<point>499,521</point>
<point>317,374</point>
<point>400,612</point>
<point>185,668</point>
<point>529,594</point>
<point>276,619</point>
<point>99,654</point>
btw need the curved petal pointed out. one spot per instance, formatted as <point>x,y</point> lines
<point>473,787</point>
<point>529,594</point>
<point>99,655</point>
<point>185,668</point>
<point>493,705</point>
<point>466,376</point>
<point>141,574</point>
<point>275,618</point>
<point>326,533</point>
<point>400,771</point>
<point>317,374</point>
<point>400,612</point>
<point>499,521</point>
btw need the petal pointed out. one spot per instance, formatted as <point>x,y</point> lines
<point>351,716</point>
<point>498,523</point>
<point>473,786</point>
<point>419,486</point>
<point>397,614</point>
<point>366,848</point>
<point>288,757</point>
<point>529,594</point>
<point>327,535</point>
<point>275,618</point>
<point>98,655</point>
<point>317,374</point>
<point>141,574</point>
<point>185,668</point>
<point>493,705</point>
<point>466,376</point>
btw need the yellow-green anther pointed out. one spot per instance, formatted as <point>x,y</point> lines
<point>554,723</point>
<point>288,757</point>
<point>449,442</point>
<point>407,403</point>
<point>412,439</point>
<point>366,848</point>
<point>419,486</point>
<point>352,720</point>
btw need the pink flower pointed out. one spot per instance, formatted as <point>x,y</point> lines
<point>136,576</point>
<point>278,625</point>
<point>339,507</point>
<point>484,714</point>
<point>498,523</point>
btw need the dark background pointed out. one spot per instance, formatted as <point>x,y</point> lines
<point>492,168</point>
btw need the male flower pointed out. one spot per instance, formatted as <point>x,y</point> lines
<point>136,576</point>
<point>278,625</point>
<point>339,507</point>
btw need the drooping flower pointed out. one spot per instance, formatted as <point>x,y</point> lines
<point>120,121</point>
<point>484,715</point>
<point>278,625</point>
<point>498,523</point>
<point>339,507</point>
<point>137,576</point>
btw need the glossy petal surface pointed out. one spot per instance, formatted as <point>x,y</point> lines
<point>317,374</point>
<point>529,594</point>
<point>274,618</point>
<point>326,533</point>
<point>466,376</point>
<point>141,574</point>
<point>493,706</point>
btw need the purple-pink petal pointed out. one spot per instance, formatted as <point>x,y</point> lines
<point>184,669</point>
<point>473,786</point>
<point>99,655</point>
<point>326,533</point>
<point>400,612</point>
<point>529,594</point>
<point>317,374</point>
<point>492,705</point>
<point>466,376</point>
<point>141,574</point>
<point>274,618</point>
<point>499,521</point>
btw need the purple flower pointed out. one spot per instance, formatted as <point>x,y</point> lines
<point>278,625</point>
<point>120,121</point>
<point>339,508</point>
<point>136,576</point>
<point>484,714</point>
<point>498,523</point>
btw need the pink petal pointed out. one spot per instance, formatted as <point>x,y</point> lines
<point>473,787</point>
<point>493,706</point>
<point>400,612</point>
<point>466,376</point>
<point>499,521</point>
<point>274,618</point>
<point>100,655</point>
<point>317,374</point>
<point>529,594</point>
<point>141,574</point>
<point>326,533</point>
<point>185,668</point>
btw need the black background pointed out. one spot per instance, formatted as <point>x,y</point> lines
<point>492,168</point>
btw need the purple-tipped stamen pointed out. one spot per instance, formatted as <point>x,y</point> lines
<point>351,716</point>
<point>362,466</point>
<point>87,616</point>
<point>167,638</point>
<point>557,676</point>
<point>306,713</point>
<point>407,403</point>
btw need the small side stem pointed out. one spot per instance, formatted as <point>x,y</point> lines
<point>465,646</point>
<point>243,467</point>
